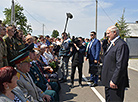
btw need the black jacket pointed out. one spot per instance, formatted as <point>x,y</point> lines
<point>81,53</point>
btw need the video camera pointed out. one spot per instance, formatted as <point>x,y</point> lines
<point>74,40</point>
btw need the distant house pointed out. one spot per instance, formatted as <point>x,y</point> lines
<point>133,29</point>
<point>133,40</point>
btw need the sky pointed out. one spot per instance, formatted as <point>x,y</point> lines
<point>52,13</point>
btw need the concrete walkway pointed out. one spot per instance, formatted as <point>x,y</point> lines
<point>133,64</point>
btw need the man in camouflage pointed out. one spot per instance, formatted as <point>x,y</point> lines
<point>19,44</point>
<point>10,42</point>
<point>3,48</point>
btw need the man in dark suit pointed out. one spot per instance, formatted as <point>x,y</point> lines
<point>104,43</point>
<point>114,73</point>
<point>93,51</point>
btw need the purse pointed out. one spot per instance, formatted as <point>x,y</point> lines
<point>93,69</point>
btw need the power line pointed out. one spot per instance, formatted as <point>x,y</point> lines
<point>34,17</point>
<point>106,14</point>
<point>30,14</point>
<point>63,1</point>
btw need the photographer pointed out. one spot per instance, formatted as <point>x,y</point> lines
<point>78,52</point>
<point>63,53</point>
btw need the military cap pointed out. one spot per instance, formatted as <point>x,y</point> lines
<point>28,48</point>
<point>24,57</point>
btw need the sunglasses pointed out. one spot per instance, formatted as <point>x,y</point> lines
<point>91,34</point>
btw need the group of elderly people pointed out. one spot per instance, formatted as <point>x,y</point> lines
<point>28,68</point>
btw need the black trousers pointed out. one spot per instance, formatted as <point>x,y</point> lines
<point>114,95</point>
<point>74,65</point>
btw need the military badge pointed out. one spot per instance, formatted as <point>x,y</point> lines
<point>37,79</point>
<point>19,44</point>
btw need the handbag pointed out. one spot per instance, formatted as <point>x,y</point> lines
<point>93,69</point>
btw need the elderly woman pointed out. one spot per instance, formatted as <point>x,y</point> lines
<point>9,92</point>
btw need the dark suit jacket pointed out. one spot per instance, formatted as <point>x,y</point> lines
<point>115,65</point>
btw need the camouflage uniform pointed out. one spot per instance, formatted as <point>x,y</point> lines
<point>19,44</point>
<point>3,53</point>
<point>12,52</point>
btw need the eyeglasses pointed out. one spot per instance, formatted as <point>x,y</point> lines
<point>91,34</point>
<point>107,33</point>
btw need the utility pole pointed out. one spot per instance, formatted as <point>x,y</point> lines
<point>96,16</point>
<point>12,13</point>
<point>43,30</point>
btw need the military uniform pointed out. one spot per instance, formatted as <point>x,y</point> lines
<point>3,53</point>
<point>41,82</point>
<point>27,48</point>
<point>12,53</point>
<point>25,81</point>
<point>28,87</point>
<point>19,44</point>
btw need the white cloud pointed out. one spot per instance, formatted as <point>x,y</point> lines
<point>105,4</point>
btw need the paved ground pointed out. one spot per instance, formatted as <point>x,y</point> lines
<point>133,64</point>
<point>96,94</point>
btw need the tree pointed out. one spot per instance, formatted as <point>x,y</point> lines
<point>20,18</point>
<point>55,34</point>
<point>122,26</point>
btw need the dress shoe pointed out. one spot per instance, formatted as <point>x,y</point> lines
<point>71,86</point>
<point>80,85</point>
<point>94,84</point>
<point>91,81</point>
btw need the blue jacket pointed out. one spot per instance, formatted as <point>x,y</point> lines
<point>65,48</point>
<point>93,50</point>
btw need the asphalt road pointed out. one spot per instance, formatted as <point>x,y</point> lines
<point>94,94</point>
